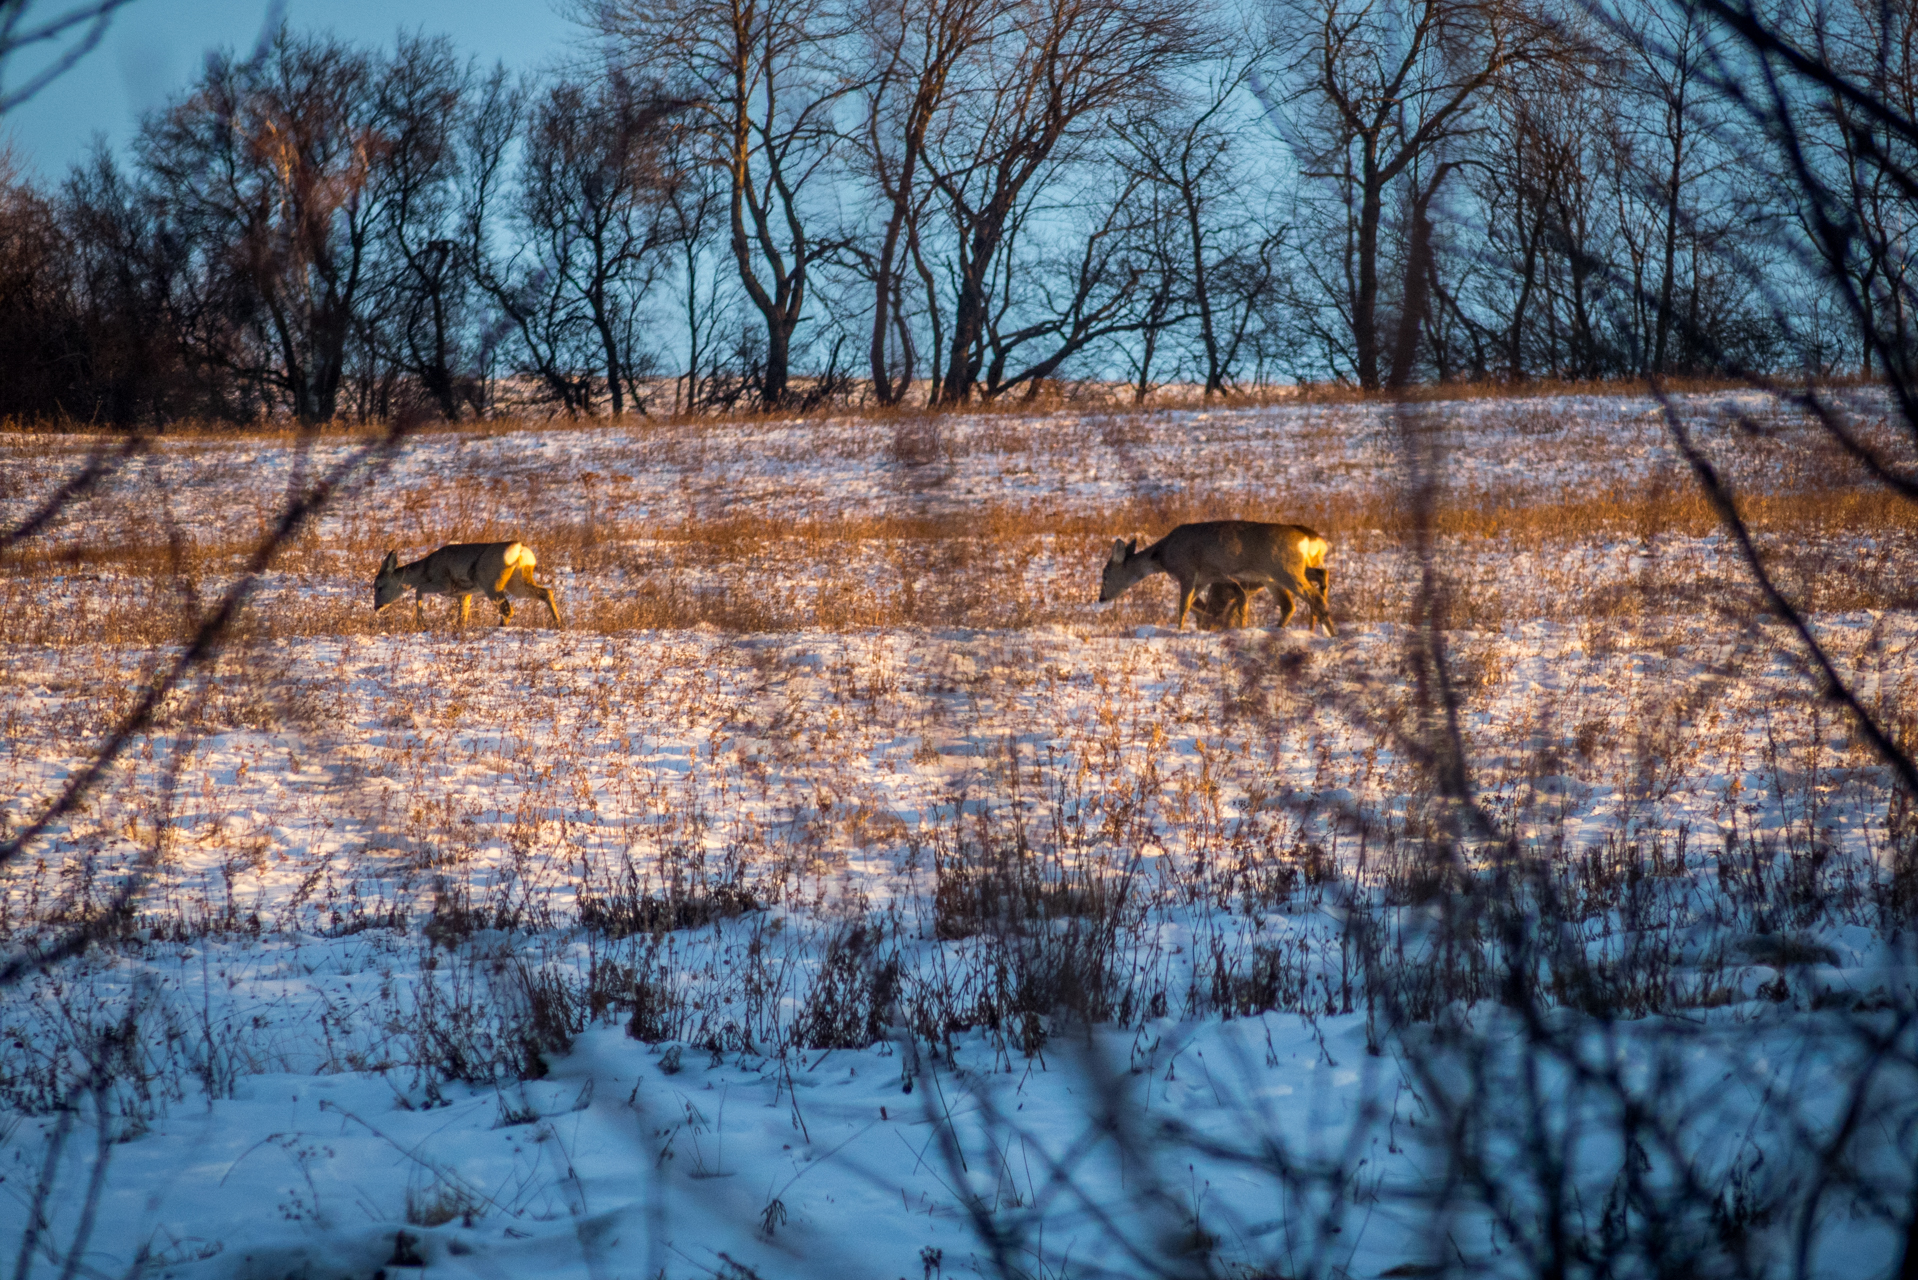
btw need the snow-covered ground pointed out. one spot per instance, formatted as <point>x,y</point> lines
<point>753,924</point>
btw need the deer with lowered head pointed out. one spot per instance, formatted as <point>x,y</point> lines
<point>1224,604</point>
<point>497,570</point>
<point>1242,555</point>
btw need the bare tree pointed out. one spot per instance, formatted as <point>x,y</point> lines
<point>35,303</point>
<point>1194,158</point>
<point>1058,74</point>
<point>571,251</point>
<point>1862,162</point>
<point>593,211</point>
<point>1539,183</point>
<point>71,33</point>
<point>530,302</point>
<point>922,61</point>
<point>267,169</point>
<point>1368,92</point>
<point>1665,145</point>
<point>1064,278</point>
<point>1165,289</point>
<point>695,204</point>
<point>762,81</point>
<point>423,277</point>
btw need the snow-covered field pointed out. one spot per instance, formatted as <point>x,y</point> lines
<point>844,892</point>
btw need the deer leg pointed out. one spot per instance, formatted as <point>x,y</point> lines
<point>1319,583</point>
<point>1286,606</point>
<point>466,607</point>
<point>1186,592</point>
<point>1242,606</point>
<point>522,584</point>
<point>1321,609</point>
<point>505,603</point>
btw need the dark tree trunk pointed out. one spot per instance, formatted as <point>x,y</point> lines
<point>1365,303</point>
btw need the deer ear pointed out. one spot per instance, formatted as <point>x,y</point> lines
<point>391,562</point>
<point>1132,547</point>
<point>1118,551</point>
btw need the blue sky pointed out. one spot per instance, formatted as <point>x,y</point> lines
<point>155,48</point>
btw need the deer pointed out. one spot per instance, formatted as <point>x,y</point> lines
<point>1244,555</point>
<point>497,570</point>
<point>1224,604</point>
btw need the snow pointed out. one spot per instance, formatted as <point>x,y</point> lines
<point>380,849</point>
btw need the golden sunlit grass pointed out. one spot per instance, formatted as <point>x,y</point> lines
<point>1045,400</point>
<point>995,565</point>
<point>921,557</point>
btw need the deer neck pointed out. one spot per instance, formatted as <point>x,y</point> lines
<point>1142,566</point>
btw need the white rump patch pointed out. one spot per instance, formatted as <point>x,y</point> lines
<point>519,554</point>
<point>1314,549</point>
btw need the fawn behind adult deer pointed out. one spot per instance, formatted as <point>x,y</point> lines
<point>497,570</point>
<point>1225,604</point>
<point>1244,554</point>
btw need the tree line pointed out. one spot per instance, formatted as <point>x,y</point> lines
<point>775,203</point>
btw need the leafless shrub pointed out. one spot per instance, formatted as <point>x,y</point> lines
<point>854,993</point>
<point>659,1012</point>
<point>487,1021</point>
<point>632,907</point>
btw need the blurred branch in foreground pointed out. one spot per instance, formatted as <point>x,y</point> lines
<point>72,33</point>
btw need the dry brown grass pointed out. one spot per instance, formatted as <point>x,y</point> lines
<point>1048,399</point>
<point>1578,530</point>
<point>1510,516</point>
<point>998,565</point>
<point>1526,388</point>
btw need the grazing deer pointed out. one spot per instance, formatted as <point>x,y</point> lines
<point>1224,604</point>
<point>1242,554</point>
<point>497,570</point>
